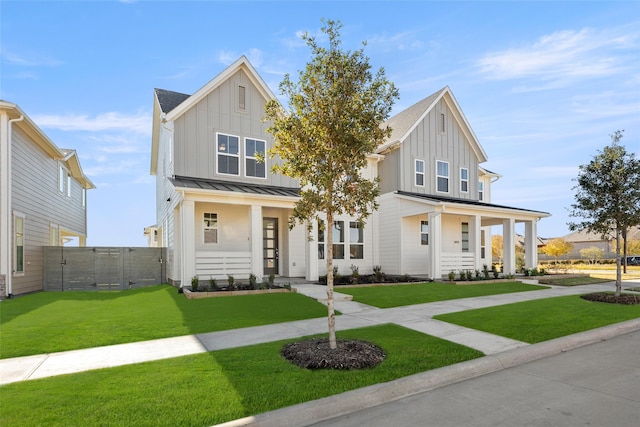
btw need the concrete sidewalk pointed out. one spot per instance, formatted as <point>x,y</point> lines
<point>354,315</point>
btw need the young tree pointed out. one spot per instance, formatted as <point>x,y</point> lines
<point>608,195</point>
<point>592,253</point>
<point>556,248</point>
<point>333,121</point>
<point>497,247</point>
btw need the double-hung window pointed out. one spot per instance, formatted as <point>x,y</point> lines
<point>321,241</point>
<point>228,149</point>
<point>419,181</point>
<point>464,180</point>
<point>210,227</point>
<point>442,176</point>
<point>18,243</point>
<point>356,240</point>
<point>480,190</point>
<point>465,237</point>
<point>424,233</point>
<point>338,240</point>
<point>254,167</point>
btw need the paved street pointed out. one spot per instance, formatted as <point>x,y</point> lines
<point>595,385</point>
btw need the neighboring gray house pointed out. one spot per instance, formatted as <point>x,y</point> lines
<point>221,212</point>
<point>583,239</point>
<point>43,200</point>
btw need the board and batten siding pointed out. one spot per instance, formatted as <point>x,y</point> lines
<point>427,143</point>
<point>195,133</point>
<point>35,194</point>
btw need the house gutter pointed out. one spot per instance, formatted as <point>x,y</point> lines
<point>6,264</point>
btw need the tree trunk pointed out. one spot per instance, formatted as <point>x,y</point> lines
<point>331,312</point>
<point>624,252</point>
<point>618,264</point>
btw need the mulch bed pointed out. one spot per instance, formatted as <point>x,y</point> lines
<point>627,299</point>
<point>349,354</point>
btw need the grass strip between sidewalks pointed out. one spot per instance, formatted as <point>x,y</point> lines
<point>214,387</point>
<point>48,322</point>
<point>541,320</point>
<point>400,295</point>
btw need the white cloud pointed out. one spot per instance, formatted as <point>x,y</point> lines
<point>139,123</point>
<point>561,55</point>
<point>28,59</point>
<point>394,42</point>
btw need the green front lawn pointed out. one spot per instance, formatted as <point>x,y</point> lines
<point>215,387</point>
<point>399,295</point>
<point>48,322</point>
<point>542,320</point>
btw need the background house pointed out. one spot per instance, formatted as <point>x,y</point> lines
<point>43,199</point>
<point>221,212</point>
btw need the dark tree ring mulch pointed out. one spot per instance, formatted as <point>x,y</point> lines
<point>349,354</point>
<point>628,299</point>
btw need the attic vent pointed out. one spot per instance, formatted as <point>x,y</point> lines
<point>241,97</point>
<point>442,124</point>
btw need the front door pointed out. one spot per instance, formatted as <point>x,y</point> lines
<point>270,245</point>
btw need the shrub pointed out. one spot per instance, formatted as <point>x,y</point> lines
<point>377,271</point>
<point>452,276</point>
<point>194,284</point>
<point>355,274</point>
<point>230,281</point>
<point>253,281</point>
<point>272,280</point>
<point>485,271</point>
<point>213,284</point>
<point>469,275</point>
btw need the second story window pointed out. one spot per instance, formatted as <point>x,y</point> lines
<point>419,181</point>
<point>442,176</point>
<point>228,149</point>
<point>210,227</point>
<point>253,167</point>
<point>464,180</point>
<point>480,190</point>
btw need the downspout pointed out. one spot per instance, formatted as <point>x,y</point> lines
<point>5,205</point>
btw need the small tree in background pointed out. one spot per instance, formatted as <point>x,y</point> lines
<point>556,248</point>
<point>608,196</point>
<point>333,122</point>
<point>633,247</point>
<point>497,247</point>
<point>592,253</point>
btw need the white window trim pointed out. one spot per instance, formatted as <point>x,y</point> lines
<point>246,156</point>
<point>344,243</point>
<point>14,249</point>
<point>443,176</point>
<point>420,232</point>
<point>205,228</point>
<point>356,243</point>
<point>62,178</point>
<point>416,173</point>
<point>218,153</point>
<point>481,190</point>
<point>84,198</point>
<point>68,185</point>
<point>464,180</point>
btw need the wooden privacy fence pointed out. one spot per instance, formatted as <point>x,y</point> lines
<point>102,268</point>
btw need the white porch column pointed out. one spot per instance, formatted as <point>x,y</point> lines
<point>509,246</point>
<point>188,234</point>
<point>435,245</point>
<point>257,258</point>
<point>311,253</point>
<point>531,244</point>
<point>474,243</point>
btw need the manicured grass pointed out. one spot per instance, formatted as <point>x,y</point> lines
<point>542,320</point>
<point>395,296</point>
<point>571,281</point>
<point>215,387</point>
<point>56,321</point>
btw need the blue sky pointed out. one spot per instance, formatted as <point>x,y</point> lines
<point>543,84</point>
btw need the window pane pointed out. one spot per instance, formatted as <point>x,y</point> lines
<point>320,231</point>
<point>338,251</point>
<point>464,187</point>
<point>250,167</point>
<point>19,242</point>
<point>338,232</point>
<point>443,185</point>
<point>320,250</point>
<point>443,168</point>
<point>233,165</point>
<point>233,145</point>
<point>251,148</point>
<point>356,251</point>
<point>464,173</point>
<point>419,166</point>
<point>356,233</point>
<point>419,179</point>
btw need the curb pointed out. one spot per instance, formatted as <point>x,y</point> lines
<point>315,411</point>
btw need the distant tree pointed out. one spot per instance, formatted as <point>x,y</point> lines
<point>556,248</point>
<point>592,253</point>
<point>608,196</point>
<point>333,121</point>
<point>497,247</point>
<point>633,247</point>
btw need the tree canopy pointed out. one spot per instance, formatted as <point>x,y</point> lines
<point>324,136</point>
<point>608,195</point>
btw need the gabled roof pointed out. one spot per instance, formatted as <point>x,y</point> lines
<point>68,156</point>
<point>403,123</point>
<point>170,105</point>
<point>241,63</point>
<point>585,236</point>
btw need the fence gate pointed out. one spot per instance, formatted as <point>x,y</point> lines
<point>102,268</point>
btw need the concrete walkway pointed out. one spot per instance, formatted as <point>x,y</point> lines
<point>354,315</point>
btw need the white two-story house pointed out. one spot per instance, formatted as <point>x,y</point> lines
<point>222,212</point>
<point>43,200</point>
